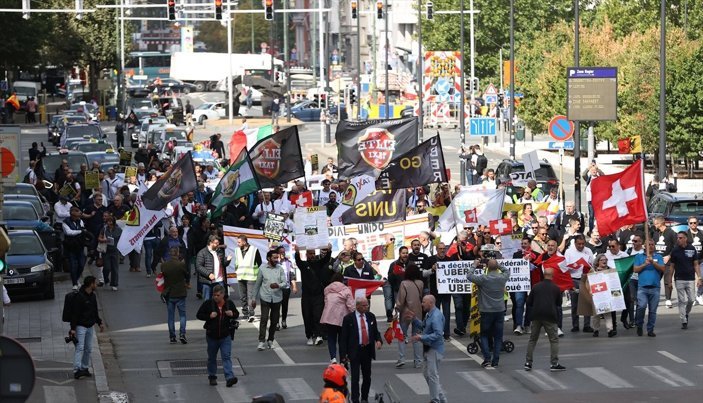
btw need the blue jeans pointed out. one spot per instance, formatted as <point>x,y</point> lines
<point>81,359</point>
<point>417,347</point>
<point>518,300</point>
<point>333,333</point>
<point>149,247</point>
<point>224,345</point>
<point>492,330</point>
<point>444,303</point>
<point>207,290</point>
<point>76,261</point>
<point>388,300</point>
<point>647,297</point>
<point>174,303</point>
<point>462,305</point>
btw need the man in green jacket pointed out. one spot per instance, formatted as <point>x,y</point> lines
<point>270,282</point>
<point>175,274</point>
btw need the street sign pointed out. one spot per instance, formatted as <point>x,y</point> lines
<point>3,85</point>
<point>490,90</point>
<point>560,128</point>
<point>592,93</point>
<point>482,127</point>
<point>559,145</point>
<point>490,99</point>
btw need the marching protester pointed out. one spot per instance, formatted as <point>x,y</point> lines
<point>314,278</point>
<point>270,281</point>
<point>409,300</point>
<point>687,274</point>
<point>175,275</point>
<point>600,263</point>
<point>650,268</point>
<point>544,302</point>
<point>339,302</point>
<point>433,345</point>
<point>211,266</point>
<point>289,269</point>
<point>84,316</point>
<point>219,315</point>
<point>247,262</point>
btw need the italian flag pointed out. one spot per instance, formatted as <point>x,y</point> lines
<point>246,139</point>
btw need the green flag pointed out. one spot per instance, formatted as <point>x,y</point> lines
<point>625,266</point>
<point>239,180</point>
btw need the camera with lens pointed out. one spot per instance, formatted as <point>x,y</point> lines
<point>232,326</point>
<point>488,251</point>
<point>70,338</point>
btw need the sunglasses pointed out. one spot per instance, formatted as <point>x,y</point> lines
<point>358,260</point>
<point>498,243</point>
<point>693,222</point>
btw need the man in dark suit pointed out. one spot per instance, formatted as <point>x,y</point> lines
<point>356,344</point>
<point>360,269</point>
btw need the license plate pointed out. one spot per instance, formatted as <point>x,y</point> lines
<point>19,280</point>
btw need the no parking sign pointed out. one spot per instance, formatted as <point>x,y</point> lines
<point>561,128</point>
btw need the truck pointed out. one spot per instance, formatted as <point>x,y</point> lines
<point>26,89</point>
<point>206,69</point>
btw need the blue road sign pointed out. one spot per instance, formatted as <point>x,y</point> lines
<point>555,145</point>
<point>482,127</point>
<point>3,85</point>
<point>491,99</point>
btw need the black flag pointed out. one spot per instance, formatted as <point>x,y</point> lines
<point>367,147</point>
<point>379,206</point>
<point>177,181</point>
<point>277,159</point>
<point>422,165</point>
<point>132,118</point>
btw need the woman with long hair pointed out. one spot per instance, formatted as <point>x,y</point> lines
<point>410,300</point>
<point>339,302</point>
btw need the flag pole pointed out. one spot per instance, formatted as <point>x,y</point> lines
<point>646,213</point>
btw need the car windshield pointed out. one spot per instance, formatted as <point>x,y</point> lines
<point>86,107</point>
<point>204,106</point>
<point>34,200</point>
<point>82,130</point>
<point>25,244</point>
<point>544,171</point>
<point>52,162</point>
<point>103,157</point>
<point>175,134</point>
<point>26,91</point>
<point>90,147</point>
<point>19,190</point>
<point>20,212</point>
<point>688,208</point>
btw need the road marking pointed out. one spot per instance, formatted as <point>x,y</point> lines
<point>59,394</point>
<point>277,348</point>
<point>664,375</point>
<point>605,377</point>
<point>297,389</point>
<point>541,378</point>
<point>673,357</point>
<point>482,381</point>
<point>416,382</point>
<point>462,348</point>
<point>236,394</point>
<point>173,392</point>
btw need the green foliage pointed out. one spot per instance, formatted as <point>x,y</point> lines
<point>685,102</point>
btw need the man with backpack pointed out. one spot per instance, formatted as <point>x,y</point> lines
<point>81,309</point>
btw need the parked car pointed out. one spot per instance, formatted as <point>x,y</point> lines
<point>676,208</point>
<point>170,84</point>
<point>86,107</point>
<point>308,111</point>
<point>210,111</point>
<point>20,189</point>
<point>52,161</point>
<point>21,214</point>
<point>29,269</point>
<point>81,132</point>
<point>41,205</point>
<point>58,123</point>
<point>512,174</point>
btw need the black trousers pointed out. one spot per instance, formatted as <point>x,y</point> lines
<point>312,313</point>
<point>363,362</point>
<point>284,304</point>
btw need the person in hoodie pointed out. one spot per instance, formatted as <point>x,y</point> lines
<point>339,302</point>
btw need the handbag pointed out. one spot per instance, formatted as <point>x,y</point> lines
<point>101,248</point>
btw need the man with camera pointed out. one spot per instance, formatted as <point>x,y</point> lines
<point>84,315</point>
<point>491,305</point>
<point>219,314</point>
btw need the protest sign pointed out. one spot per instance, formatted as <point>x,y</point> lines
<point>452,276</point>
<point>606,291</point>
<point>274,227</point>
<point>311,227</point>
<point>92,179</point>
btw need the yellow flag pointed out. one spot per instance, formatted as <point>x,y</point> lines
<point>635,144</point>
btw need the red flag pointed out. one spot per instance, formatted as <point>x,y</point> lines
<point>580,264</point>
<point>624,146</point>
<point>366,286</point>
<point>237,143</point>
<point>561,278</point>
<point>470,216</point>
<point>501,227</point>
<point>302,200</point>
<point>618,199</point>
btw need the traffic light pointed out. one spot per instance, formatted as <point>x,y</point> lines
<point>218,9</point>
<point>171,10</point>
<point>379,10</point>
<point>269,10</point>
<point>354,10</point>
<point>471,85</point>
<point>352,96</point>
<point>430,10</point>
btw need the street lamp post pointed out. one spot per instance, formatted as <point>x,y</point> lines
<point>387,50</point>
<point>511,116</point>
<point>462,94</point>
<point>577,125</point>
<point>420,58</point>
<point>662,92</point>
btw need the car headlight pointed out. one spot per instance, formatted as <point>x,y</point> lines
<point>40,267</point>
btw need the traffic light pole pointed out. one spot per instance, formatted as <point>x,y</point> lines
<point>358,64</point>
<point>462,93</point>
<point>420,59</point>
<point>511,116</point>
<point>577,124</point>
<point>286,61</point>
<point>387,50</point>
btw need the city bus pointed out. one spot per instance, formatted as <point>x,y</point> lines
<point>150,64</point>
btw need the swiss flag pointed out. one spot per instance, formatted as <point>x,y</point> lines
<point>364,288</point>
<point>618,199</point>
<point>302,199</point>
<point>599,287</point>
<point>580,264</point>
<point>501,227</point>
<point>471,216</point>
<point>561,278</point>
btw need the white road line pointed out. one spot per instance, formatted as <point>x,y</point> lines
<point>482,381</point>
<point>664,375</point>
<point>416,382</point>
<point>297,389</point>
<point>454,342</point>
<point>277,348</point>
<point>59,394</point>
<point>673,357</point>
<point>605,377</point>
<point>236,394</point>
<point>542,379</point>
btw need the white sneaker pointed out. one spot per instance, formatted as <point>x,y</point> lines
<point>252,318</point>
<point>75,288</point>
<point>560,333</point>
<point>518,330</point>
<point>310,342</point>
<point>668,304</point>
<point>699,299</point>
<point>318,341</point>
<point>114,288</point>
<point>269,344</point>
<point>333,361</point>
<point>261,346</point>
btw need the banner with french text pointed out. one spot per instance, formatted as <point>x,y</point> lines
<point>451,276</point>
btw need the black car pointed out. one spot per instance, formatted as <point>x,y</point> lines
<point>29,270</point>
<point>512,174</point>
<point>676,208</point>
<point>170,84</point>
<point>58,123</point>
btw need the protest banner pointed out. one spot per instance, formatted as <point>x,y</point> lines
<point>606,291</point>
<point>92,179</point>
<point>311,227</point>
<point>451,276</point>
<point>274,227</point>
<point>130,172</point>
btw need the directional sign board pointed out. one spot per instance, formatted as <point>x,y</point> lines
<point>592,93</point>
<point>482,127</point>
<point>560,128</point>
<point>557,145</point>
